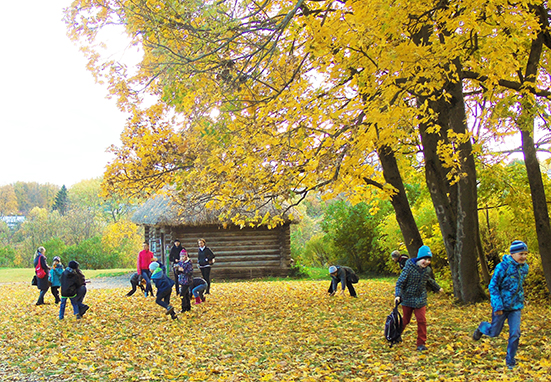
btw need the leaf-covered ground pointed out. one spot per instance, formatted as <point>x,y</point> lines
<point>258,331</point>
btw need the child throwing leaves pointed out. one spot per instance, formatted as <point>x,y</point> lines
<point>507,299</point>
<point>164,288</point>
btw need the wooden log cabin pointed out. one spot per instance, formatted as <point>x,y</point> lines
<point>241,253</point>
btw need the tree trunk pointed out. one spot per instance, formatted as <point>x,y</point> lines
<point>442,194</point>
<point>526,125</point>
<point>467,234</point>
<point>404,216</point>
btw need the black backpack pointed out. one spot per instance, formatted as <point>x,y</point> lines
<point>351,275</point>
<point>393,326</point>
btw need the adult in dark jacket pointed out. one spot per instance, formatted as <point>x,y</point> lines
<point>42,282</point>
<point>205,260</point>
<point>341,275</point>
<point>174,258</point>
<point>73,287</point>
<point>164,287</point>
<point>397,257</point>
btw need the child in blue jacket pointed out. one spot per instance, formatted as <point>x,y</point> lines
<point>164,287</point>
<point>507,299</point>
<point>55,277</point>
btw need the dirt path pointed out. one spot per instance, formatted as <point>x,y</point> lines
<point>110,282</point>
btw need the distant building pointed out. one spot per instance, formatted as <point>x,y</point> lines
<point>13,221</point>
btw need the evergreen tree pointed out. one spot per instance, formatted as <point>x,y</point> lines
<point>61,201</point>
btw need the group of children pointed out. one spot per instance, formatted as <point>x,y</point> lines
<point>506,295</point>
<point>70,281</point>
<point>506,290</point>
<point>186,285</point>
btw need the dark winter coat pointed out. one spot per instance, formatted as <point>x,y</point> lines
<point>402,260</point>
<point>174,256</point>
<point>71,281</point>
<point>411,286</point>
<point>161,280</point>
<point>42,283</point>
<point>506,290</point>
<point>205,257</point>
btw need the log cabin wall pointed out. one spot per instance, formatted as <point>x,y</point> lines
<point>240,253</point>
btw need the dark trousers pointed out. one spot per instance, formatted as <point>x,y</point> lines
<point>205,272</point>
<point>134,288</point>
<point>41,296</point>
<point>55,292</point>
<point>146,275</point>
<point>349,285</point>
<point>184,293</point>
<point>176,285</point>
<point>163,298</point>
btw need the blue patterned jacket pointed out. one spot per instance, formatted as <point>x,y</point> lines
<point>412,285</point>
<point>506,291</point>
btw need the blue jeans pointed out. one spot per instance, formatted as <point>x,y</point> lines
<point>493,330</point>
<point>76,302</point>
<point>146,275</point>
<point>198,289</point>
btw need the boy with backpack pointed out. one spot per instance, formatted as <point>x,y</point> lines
<point>411,291</point>
<point>507,299</point>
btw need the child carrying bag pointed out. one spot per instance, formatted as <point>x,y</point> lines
<point>393,326</point>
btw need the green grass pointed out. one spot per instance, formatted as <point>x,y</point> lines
<point>11,275</point>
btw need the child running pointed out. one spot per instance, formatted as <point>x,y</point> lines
<point>507,299</point>
<point>411,290</point>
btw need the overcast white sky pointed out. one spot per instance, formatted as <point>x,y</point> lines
<point>55,122</point>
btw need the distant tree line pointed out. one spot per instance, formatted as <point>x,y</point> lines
<point>74,223</point>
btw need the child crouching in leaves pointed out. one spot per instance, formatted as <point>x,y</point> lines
<point>184,270</point>
<point>164,288</point>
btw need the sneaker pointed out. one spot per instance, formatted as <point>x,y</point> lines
<point>79,316</point>
<point>145,294</point>
<point>169,310</point>
<point>84,309</point>
<point>477,334</point>
<point>421,348</point>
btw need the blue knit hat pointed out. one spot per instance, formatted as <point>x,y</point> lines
<point>154,265</point>
<point>518,246</point>
<point>332,269</point>
<point>424,252</point>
